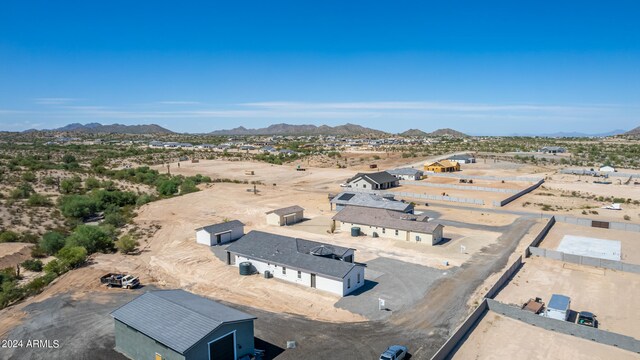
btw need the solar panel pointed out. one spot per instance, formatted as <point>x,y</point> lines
<point>346,197</point>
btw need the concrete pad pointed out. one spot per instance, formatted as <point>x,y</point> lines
<point>592,247</point>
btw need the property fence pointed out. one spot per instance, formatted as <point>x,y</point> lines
<point>504,278</point>
<point>460,187</point>
<point>598,173</point>
<point>584,260</point>
<point>452,343</point>
<point>440,198</point>
<point>485,177</point>
<point>588,222</point>
<point>565,327</point>
<point>513,197</point>
<point>538,239</point>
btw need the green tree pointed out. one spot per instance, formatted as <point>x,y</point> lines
<point>69,159</point>
<point>55,266</point>
<point>52,242</point>
<point>71,186</point>
<point>168,187</point>
<point>77,206</point>
<point>93,238</point>
<point>72,256</point>
<point>127,244</point>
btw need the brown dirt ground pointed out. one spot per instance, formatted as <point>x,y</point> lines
<point>499,337</point>
<point>12,254</point>
<point>591,289</point>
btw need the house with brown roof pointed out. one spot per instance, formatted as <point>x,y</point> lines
<point>389,224</point>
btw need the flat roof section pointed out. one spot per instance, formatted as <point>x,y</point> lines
<point>592,247</point>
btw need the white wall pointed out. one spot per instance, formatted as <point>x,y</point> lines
<point>205,238</point>
<point>353,276</point>
<point>275,219</point>
<point>362,184</point>
<point>429,239</point>
<point>322,283</point>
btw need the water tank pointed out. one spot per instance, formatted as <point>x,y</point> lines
<point>355,231</point>
<point>267,274</point>
<point>245,268</point>
<point>375,234</point>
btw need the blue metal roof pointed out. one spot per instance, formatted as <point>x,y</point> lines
<point>559,302</point>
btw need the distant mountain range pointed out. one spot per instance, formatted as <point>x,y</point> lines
<point>577,134</point>
<point>96,128</point>
<point>633,132</point>
<point>287,129</point>
<point>439,132</point>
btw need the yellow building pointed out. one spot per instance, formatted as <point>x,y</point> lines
<point>442,166</point>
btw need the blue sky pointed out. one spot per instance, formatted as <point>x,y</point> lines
<point>490,67</point>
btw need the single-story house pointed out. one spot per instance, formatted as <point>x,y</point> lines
<point>442,166</point>
<point>310,263</point>
<point>374,181</point>
<point>221,233</point>
<point>175,324</point>
<point>607,168</point>
<point>462,159</point>
<point>285,216</point>
<point>389,224</point>
<point>369,200</point>
<point>407,174</point>
<point>553,150</point>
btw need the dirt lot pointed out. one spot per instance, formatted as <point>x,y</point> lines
<point>12,254</point>
<point>591,289</point>
<point>514,185</point>
<point>629,240</point>
<point>499,337</point>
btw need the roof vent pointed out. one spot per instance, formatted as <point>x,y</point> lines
<point>322,250</point>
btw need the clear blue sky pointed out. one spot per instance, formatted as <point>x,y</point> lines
<point>483,67</point>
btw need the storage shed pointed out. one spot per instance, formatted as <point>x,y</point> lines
<point>221,233</point>
<point>558,307</point>
<point>175,324</point>
<point>285,216</point>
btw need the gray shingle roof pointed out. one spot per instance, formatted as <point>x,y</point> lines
<point>176,318</point>
<point>379,177</point>
<point>405,171</point>
<point>369,200</point>
<point>385,219</point>
<point>287,210</point>
<point>221,227</point>
<point>291,253</point>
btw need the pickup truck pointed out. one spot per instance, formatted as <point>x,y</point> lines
<point>587,319</point>
<point>394,352</point>
<point>120,280</point>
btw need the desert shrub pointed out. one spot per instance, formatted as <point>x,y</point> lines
<point>52,242</point>
<point>144,199</point>
<point>627,217</point>
<point>71,186</point>
<point>56,267</point>
<point>9,236</point>
<point>32,265</point>
<point>92,238</point>
<point>29,176</point>
<point>38,200</point>
<point>168,187</point>
<point>23,191</point>
<point>187,187</point>
<point>127,244</point>
<point>91,183</point>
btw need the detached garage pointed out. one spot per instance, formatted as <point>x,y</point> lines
<point>217,234</point>
<point>175,324</point>
<point>285,216</point>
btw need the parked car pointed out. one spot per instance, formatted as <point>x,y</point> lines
<point>587,319</point>
<point>345,185</point>
<point>394,352</point>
